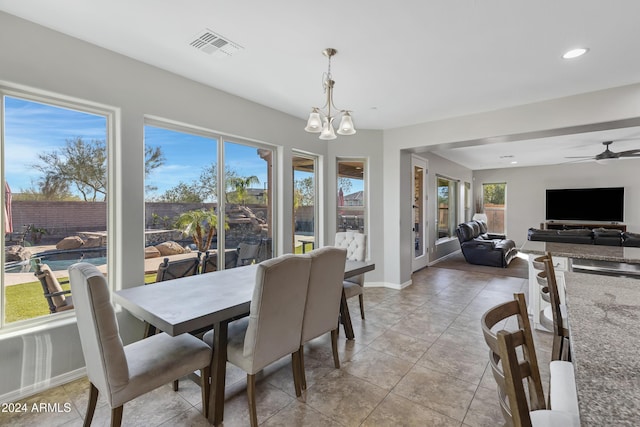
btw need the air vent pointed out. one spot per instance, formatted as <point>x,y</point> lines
<point>214,44</point>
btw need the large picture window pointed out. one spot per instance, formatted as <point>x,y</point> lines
<point>54,173</point>
<point>205,211</point>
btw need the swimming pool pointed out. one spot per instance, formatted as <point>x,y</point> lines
<point>59,260</point>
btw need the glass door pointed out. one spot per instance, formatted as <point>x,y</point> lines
<point>419,213</point>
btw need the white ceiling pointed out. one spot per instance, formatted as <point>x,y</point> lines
<point>399,63</point>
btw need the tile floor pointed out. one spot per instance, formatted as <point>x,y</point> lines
<point>419,359</point>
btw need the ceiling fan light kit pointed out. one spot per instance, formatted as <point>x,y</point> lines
<point>322,121</point>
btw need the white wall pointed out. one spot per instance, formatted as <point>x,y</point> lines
<point>39,58</point>
<point>526,189</point>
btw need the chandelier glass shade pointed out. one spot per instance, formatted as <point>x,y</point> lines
<point>321,121</point>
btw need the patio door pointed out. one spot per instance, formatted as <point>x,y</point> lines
<point>420,239</point>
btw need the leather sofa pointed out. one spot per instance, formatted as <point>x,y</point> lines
<point>596,236</point>
<point>482,248</point>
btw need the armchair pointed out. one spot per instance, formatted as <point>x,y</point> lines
<point>482,248</point>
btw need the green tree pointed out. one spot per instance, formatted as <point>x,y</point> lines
<point>240,186</point>
<point>201,225</point>
<point>83,165</point>
<point>303,192</point>
<point>208,181</point>
<point>182,193</point>
<point>494,194</point>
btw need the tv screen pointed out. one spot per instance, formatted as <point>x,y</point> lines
<point>585,204</point>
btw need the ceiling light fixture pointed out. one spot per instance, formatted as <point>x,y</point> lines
<point>321,121</point>
<point>574,53</point>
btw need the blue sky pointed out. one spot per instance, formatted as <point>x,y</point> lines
<point>32,128</point>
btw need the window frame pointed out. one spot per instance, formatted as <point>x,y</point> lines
<point>317,209</point>
<point>453,211</point>
<point>365,189</point>
<point>112,117</point>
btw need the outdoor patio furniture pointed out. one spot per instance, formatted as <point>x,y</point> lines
<point>57,298</point>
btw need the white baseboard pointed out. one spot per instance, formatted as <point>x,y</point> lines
<point>30,390</point>
<point>389,285</point>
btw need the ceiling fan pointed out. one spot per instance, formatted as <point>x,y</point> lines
<point>608,154</point>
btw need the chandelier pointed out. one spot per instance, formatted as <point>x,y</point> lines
<point>321,121</point>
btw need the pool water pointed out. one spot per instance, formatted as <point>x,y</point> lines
<point>59,260</point>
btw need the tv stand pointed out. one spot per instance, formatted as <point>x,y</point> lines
<point>562,225</point>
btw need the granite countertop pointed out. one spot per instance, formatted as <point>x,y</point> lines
<point>604,320</point>
<point>584,251</point>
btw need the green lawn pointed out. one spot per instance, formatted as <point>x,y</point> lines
<point>26,300</point>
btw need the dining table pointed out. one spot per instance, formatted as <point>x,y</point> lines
<point>604,328</point>
<point>210,300</point>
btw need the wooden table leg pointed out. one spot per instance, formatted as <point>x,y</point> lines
<point>345,317</point>
<point>218,372</point>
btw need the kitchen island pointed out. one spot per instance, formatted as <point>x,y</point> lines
<point>599,259</point>
<point>603,313</point>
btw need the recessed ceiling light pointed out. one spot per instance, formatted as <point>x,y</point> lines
<point>515,162</point>
<point>574,53</point>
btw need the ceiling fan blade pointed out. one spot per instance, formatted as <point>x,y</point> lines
<point>579,157</point>
<point>629,153</point>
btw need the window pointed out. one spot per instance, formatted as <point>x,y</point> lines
<point>183,168</point>
<point>351,192</point>
<point>54,171</point>
<point>447,191</point>
<point>304,203</point>
<point>494,204</point>
<point>467,201</point>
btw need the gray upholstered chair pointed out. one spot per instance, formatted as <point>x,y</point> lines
<point>122,373</point>
<point>274,325</point>
<point>356,246</point>
<point>322,308</point>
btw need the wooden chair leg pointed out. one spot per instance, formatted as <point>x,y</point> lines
<point>116,416</point>
<point>334,347</point>
<point>176,384</point>
<point>251,397</point>
<point>303,376</point>
<point>205,375</point>
<point>361,299</point>
<point>91,405</point>
<point>296,368</point>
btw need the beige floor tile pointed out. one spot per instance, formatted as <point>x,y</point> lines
<point>299,414</point>
<point>344,398</point>
<point>395,411</point>
<point>442,393</point>
<point>377,368</point>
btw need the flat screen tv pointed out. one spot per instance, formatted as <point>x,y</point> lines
<point>585,204</point>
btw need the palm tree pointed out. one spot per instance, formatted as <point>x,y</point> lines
<point>201,225</point>
<point>240,185</point>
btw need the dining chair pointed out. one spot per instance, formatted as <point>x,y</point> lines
<point>247,253</point>
<point>169,270</point>
<point>554,317</point>
<point>322,308</point>
<point>513,361</point>
<point>210,261</point>
<point>274,325</point>
<point>356,246</point>
<point>123,372</point>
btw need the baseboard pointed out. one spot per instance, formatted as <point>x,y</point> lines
<point>442,258</point>
<point>30,390</point>
<point>389,285</point>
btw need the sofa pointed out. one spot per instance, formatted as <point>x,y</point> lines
<point>596,236</point>
<point>482,248</point>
